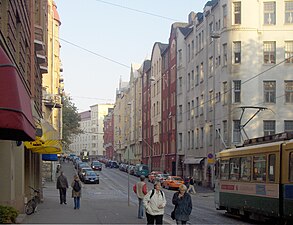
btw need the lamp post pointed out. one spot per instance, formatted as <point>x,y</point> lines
<point>214,36</point>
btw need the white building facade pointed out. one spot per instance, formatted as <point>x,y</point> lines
<point>92,126</point>
<point>241,85</point>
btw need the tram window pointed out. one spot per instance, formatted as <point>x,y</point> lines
<point>224,169</point>
<point>234,169</point>
<point>259,168</point>
<point>245,168</point>
<point>272,167</point>
<point>291,167</point>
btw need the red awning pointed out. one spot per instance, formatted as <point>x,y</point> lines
<point>16,119</point>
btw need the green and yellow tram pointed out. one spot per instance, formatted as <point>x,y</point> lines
<point>256,181</point>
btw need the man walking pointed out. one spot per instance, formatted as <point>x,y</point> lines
<point>191,186</point>
<point>140,188</point>
<point>62,185</point>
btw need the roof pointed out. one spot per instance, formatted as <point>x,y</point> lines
<point>186,30</point>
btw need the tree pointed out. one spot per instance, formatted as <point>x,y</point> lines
<point>70,118</point>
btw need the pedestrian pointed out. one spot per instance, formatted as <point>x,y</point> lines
<point>183,205</point>
<point>191,186</point>
<point>76,191</point>
<point>140,188</point>
<point>186,182</point>
<point>62,185</point>
<point>154,203</point>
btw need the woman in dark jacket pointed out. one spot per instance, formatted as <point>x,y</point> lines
<point>183,205</point>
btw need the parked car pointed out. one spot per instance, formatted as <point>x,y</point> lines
<point>161,177</point>
<point>172,182</point>
<point>153,175</point>
<point>112,164</point>
<point>131,169</point>
<point>141,169</point>
<point>83,171</point>
<point>96,165</point>
<point>91,177</point>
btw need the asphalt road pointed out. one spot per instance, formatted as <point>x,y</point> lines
<point>203,212</point>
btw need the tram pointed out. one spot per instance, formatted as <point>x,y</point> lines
<point>256,180</point>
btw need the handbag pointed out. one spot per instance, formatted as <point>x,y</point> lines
<point>173,214</point>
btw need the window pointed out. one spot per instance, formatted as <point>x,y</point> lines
<point>289,91</point>
<point>188,81</point>
<point>234,169</point>
<point>201,72</point>
<point>188,141</point>
<point>180,57</point>
<point>211,100</point>
<point>225,131</point>
<point>180,113</point>
<point>291,166</point>
<point>272,167</point>
<point>225,58</point>
<point>192,109</point>
<point>197,76</point>
<point>192,78</point>
<point>201,104</point>
<point>237,51</point>
<point>289,12</point>
<point>269,91</point>
<point>224,169</point>
<point>245,171</point>
<point>201,137</point>
<point>289,51</point>
<point>269,13</point>
<point>192,139</point>
<point>211,66</point>
<point>180,141</point>
<point>237,12</point>
<point>211,31</point>
<point>197,107</point>
<point>180,85</point>
<point>211,135</point>
<point>269,127</point>
<point>237,91</point>
<point>225,93</point>
<point>192,49</point>
<point>259,168</point>
<point>188,52</point>
<point>288,125</point>
<point>236,131</point>
<point>269,52</point>
<point>224,16</point>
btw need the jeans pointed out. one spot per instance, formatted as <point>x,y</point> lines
<point>62,192</point>
<point>140,208</point>
<point>76,202</point>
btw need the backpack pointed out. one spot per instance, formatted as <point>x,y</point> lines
<point>76,186</point>
<point>153,192</point>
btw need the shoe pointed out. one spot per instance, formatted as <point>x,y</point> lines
<point>140,217</point>
<point>65,203</point>
<point>60,203</point>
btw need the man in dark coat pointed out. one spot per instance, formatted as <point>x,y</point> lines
<point>183,205</point>
<point>62,185</point>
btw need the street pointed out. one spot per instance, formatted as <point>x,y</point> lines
<point>107,203</point>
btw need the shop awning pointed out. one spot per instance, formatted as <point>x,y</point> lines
<point>16,119</point>
<point>44,147</point>
<point>48,143</point>
<point>195,161</point>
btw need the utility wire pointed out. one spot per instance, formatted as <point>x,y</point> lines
<point>137,10</point>
<point>94,53</point>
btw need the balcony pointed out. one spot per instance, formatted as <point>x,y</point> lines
<point>52,101</point>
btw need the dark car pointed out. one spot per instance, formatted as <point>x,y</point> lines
<point>112,164</point>
<point>91,177</point>
<point>96,165</point>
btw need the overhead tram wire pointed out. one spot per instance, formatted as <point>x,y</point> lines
<point>94,53</point>
<point>137,10</point>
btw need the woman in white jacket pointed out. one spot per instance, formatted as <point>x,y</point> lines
<point>154,203</point>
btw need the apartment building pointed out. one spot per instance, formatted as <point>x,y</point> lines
<point>242,78</point>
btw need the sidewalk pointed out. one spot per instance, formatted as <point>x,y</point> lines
<point>99,211</point>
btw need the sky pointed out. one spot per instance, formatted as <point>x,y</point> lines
<point>100,39</point>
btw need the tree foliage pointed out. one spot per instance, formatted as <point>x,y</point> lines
<point>70,119</point>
